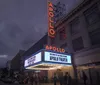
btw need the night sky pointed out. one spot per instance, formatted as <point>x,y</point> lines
<point>23,23</point>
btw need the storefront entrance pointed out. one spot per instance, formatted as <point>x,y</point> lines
<point>50,61</point>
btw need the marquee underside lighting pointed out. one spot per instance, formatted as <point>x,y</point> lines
<point>46,66</point>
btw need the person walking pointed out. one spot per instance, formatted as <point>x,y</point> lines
<point>37,79</point>
<point>69,79</point>
<point>84,78</point>
<point>60,76</point>
<point>26,80</point>
<point>55,79</point>
<point>66,78</point>
<point>31,79</point>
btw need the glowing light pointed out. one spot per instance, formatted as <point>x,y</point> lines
<point>54,48</point>
<point>51,31</point>
<point>50,66</point>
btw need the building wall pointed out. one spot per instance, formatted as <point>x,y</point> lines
<point>79,27</point>
<point>87,56</point>
<point>8,64</point>
<point>36,47</point>
<point>83,31</point>
<point>16,61</point>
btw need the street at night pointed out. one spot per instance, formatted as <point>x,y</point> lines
<point>49,42</point>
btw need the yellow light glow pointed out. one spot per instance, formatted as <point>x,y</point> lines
<point>49,65</point>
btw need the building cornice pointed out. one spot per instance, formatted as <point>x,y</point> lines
<point>73,12</point>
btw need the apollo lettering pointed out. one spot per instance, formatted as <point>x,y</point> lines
<point>54,48</point>
<point>51,30</point>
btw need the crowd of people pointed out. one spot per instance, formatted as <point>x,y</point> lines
<point>35,79</point>
<point>62,79</point>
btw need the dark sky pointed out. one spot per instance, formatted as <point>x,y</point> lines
<point>23,23</point>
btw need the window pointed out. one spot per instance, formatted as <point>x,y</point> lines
<point>74,26</point>
<point>62,34</point>
<point>92,15</point>
<point>78,44</point>
<point>95,36</point>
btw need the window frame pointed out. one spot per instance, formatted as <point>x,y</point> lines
<point>93,9</point>
<point>79,48</point>
<point>74,30</point>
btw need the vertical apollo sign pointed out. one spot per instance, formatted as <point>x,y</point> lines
<point>51,30</point>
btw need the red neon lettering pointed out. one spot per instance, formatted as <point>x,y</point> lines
<point>50,26</point>
<point>50,47</point>
<point>51,35</point>
<point>60,50</point>
<point>63,50</point>
<point>50,9</point>
<point>47,47</point>
<point>54,48</point>
<point>57,49</point>
<point>50,4</point>
<point>52,32</point>
<point>51,14</point>
<point>50,19</point>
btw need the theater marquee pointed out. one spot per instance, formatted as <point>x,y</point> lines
<point>57,57</point>
<point>33,59</point>
<point>47,60</point>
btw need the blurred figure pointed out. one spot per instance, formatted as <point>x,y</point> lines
<point>37,79</point>
<point>55,79</point>
<point>26,79</point>
<point>69,79</point>
<point>16,76</point>
<point>32,79</point>
<point>60,76</point>
<point>20,78</point>
<point>45,79</point>
<point>98,78</point>
<point>66,78</point>
<point>84,77</point>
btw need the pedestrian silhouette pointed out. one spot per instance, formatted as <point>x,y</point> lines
<point>55,79</point>
<point>66,78</point>
<point>69,79</point>
<point>84,78</point>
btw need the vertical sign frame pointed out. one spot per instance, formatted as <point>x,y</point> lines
<point>50,10</point>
